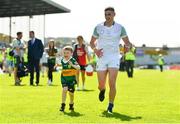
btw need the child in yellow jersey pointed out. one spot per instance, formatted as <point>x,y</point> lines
<point>68,77</point>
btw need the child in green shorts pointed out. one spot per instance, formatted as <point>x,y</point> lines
<point>68,77</point>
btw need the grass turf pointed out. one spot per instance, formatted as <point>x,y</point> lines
<point>151,96</point>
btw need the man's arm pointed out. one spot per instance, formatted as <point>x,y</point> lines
<point>125,38</point>
<point>87,53</point>
<point>98,52</point>
<point>127,42</point>
<point>92,42</point>
<point>41,48</point>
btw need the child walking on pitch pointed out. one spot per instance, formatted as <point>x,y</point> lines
<point>68,77</point>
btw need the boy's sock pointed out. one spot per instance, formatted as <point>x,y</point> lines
<point>62,107</point>
<point>71,107</point>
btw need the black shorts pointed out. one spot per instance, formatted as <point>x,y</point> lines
<point>82,67</point>
<point>71,88</point>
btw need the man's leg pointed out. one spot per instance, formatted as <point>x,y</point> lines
<point>37,71</point>
<point>15,76</point>
<point>102,82</point>
<point>16,62</point>
<point>31,69</point>
<point>128,67</point>
<point>161,68</point>
<point>131,67</point>
<point>113,72</point>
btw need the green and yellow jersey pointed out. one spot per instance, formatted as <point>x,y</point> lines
<point>68,74</point>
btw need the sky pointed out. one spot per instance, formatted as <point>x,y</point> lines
<point>150,22</point>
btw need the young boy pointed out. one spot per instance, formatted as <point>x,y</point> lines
<point>68,77</point>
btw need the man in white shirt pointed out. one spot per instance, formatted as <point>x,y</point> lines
<point>19,47</point>
<point>108,35</point>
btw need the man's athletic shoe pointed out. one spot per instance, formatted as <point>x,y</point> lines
<point>102,95</point>
<point>110,107</point>
<point>62,107</point>
<point>71,107</point>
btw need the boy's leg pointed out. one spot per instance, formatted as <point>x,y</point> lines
<point>71,95</point>
<point>71,103</point>
<point>64,92</point>
<point>71,90</point>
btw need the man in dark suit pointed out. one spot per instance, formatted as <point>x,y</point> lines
<point>35,52</point>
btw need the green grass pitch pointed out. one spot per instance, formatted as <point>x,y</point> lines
<point>150,97</point>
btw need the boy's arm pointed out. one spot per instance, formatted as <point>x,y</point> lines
<point>76,65</point>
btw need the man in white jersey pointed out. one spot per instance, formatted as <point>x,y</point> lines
<point>19,48</point>
<point>108,35</point>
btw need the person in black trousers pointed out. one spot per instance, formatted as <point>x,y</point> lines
<point>35,52</point>
<point>51,60</point>
<point>129,60</point>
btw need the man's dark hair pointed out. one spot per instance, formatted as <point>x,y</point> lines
<point>109,9</point>
<point>19,33</point>
<point>32,32</point>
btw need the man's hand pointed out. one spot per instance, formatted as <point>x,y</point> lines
<point>99,52</point>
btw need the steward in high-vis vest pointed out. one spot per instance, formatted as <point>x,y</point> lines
<point>161,62</point>
<point>129,59</point>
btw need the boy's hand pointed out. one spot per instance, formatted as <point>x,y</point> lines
<point>70,63</point>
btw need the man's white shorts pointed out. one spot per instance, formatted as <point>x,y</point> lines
<point>104,63</point>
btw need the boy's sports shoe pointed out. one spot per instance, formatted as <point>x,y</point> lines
<point>71,107</point>
<point>110,107</point>
<point>62,107</point>
<point>102,95</point>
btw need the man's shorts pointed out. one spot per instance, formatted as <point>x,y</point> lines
<point>104,63</point>
<point>16,61</point>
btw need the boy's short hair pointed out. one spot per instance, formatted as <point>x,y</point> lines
<point>109,9</point>
<point>69,48</point>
